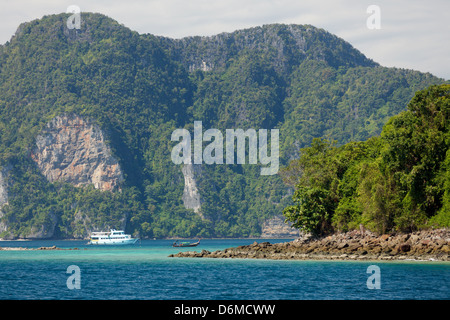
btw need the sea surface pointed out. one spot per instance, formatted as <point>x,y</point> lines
<point>144,271</point>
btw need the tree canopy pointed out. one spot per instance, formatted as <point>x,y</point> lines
<point>398,181</point>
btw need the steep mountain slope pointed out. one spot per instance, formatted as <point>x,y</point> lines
<point>134,90</point>
<point>285,46</point>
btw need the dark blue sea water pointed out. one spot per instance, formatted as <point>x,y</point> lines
<point>144,271</point>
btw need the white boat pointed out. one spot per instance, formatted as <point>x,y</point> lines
<point>114,237</point>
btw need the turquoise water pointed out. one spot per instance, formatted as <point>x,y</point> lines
<point>144,271</point>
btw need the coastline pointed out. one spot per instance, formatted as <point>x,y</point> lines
<point>425,245</point>
<point>34,249</point>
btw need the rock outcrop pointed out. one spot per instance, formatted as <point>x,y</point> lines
<point>276,228</point>
<point>44,231</point>
<point>72,149</point>
<point>191,195</point>
<point>3,187</point>
<point>284,44</point>
<point>421,245</point>
<point>3,194</point>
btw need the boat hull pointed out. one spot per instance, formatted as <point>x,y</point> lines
<point>185,245</point>
<point>113,242</point>
<point>114,237</point>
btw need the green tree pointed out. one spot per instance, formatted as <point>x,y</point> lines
<point>395,182</point>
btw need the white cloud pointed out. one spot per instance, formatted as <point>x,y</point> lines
<point>414,34</point>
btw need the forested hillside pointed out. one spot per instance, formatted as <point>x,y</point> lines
<point>398,181</point>
<point>138,88</point>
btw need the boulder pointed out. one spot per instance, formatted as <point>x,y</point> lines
<point>405,247</point>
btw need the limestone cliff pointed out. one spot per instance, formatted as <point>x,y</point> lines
<point>276,228</point>
<point>73,149</point>
<point>191,195</point>
<point>45,230</point>
<point>283,45</point>
<point>3,194</point>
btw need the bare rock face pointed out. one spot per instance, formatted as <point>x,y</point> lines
<point>3,194</point>
<point>191,195</point>
<point>44,231</point>
<point>276,228</point>
<point>73,149</point>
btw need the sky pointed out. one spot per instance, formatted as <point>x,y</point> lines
<point>410,34</point>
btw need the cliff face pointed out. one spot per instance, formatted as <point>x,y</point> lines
<point>191,195</point>
<point>286,44</point>
<point>3,195</point>
<point>276,228</point>
<point>73,150</point>
<point>3,187</point>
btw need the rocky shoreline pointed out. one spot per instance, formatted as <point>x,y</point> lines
<point>425,245</point>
